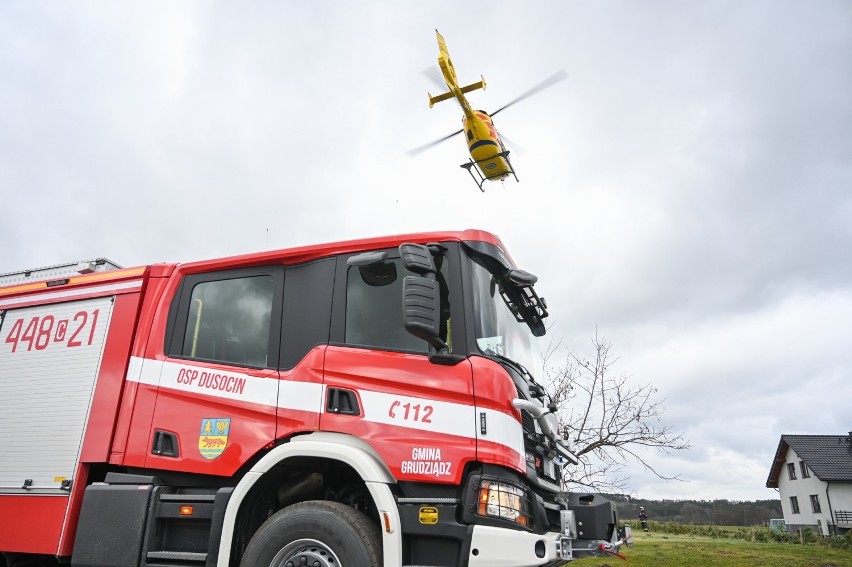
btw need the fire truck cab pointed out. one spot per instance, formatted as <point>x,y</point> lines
<point>362,403</point>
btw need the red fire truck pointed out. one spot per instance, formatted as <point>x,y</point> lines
<point>362,403</point>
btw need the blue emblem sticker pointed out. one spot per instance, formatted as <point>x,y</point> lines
<point>214,436</point>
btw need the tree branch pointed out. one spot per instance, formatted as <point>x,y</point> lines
<point>627,416</point>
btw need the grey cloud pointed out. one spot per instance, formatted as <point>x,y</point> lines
<point>686,190</point>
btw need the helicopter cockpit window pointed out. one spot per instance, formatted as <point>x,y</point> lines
<point>374,308</point>
<point>469,134</point>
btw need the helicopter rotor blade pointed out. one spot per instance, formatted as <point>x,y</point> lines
<point>547,83</point>
<point>413,152</point>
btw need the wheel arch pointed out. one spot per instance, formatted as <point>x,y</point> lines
<point>345,449</point>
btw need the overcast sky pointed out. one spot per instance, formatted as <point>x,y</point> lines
<point>687,191</point>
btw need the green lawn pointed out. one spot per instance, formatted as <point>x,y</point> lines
<point>666,550</point>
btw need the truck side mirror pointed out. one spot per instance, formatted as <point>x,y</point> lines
<point>367,258</point>
<point>421,306</point>
<point>421,300</point>
<point>421,309</point>
<point>374,267</point>
<point>422,316</point>
<point>417,258</point>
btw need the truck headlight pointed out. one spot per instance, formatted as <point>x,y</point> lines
<point>502,500</point>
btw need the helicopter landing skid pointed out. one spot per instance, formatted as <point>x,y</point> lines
<point>482,178</point>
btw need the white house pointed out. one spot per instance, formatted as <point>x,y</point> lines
<point>813,473</point>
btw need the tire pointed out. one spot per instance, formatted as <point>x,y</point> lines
<point>318,534</point>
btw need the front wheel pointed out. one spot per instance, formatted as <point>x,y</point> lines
<point>316,533</point>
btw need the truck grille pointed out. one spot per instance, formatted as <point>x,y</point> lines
<point>527,420</point>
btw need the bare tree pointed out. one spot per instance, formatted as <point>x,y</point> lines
<point>610,420</point>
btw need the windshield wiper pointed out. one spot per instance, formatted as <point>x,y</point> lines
<point>517,365</point>
<point>522,370</point>
<point>536,390</point>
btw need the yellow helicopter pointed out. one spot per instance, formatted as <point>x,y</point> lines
<point>489,158</point>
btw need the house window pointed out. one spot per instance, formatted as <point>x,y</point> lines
<point>815,503</point>
<point>791,470</point>
<point>805,472</point>
<point>794,504</point>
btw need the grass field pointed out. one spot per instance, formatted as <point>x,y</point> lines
<point>667,550</point>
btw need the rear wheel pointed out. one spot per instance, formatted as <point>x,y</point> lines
<point>316,534</point>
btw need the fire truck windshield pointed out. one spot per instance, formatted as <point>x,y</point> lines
<point>498,331</point>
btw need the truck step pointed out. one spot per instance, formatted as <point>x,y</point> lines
<point>187,497</point>
<point>174,558</point>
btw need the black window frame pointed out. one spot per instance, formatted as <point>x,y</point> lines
<point>180,307</point>
<point>791,471</point>
<point>816,508</point>
<point>806,473</point>
<point>794,504</point>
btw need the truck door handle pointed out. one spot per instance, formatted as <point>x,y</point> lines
<point>165,444</point>
<point>342,401</point>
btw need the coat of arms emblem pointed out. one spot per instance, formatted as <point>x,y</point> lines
<point>214,436</point>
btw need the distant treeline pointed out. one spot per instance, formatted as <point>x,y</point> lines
<point>706,512</point>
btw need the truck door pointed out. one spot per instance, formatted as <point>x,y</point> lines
<point>218,380</point>
<point>380,385</point>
